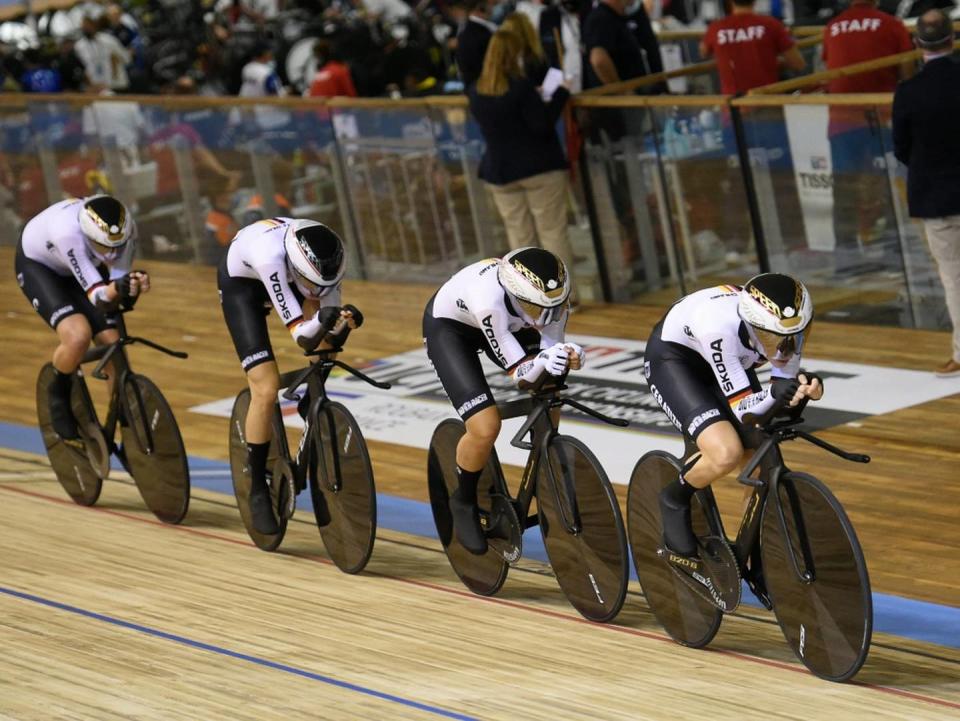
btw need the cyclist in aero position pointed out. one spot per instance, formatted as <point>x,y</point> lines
<point>515,310</point>
<point>73,264</point>
<point>700,362</point>
<point>295,266</point>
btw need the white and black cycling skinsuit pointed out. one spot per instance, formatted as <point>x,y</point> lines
<point>472,313</point>
<point>700,361</point>
<point>58,272</point>
<point>252,278</point>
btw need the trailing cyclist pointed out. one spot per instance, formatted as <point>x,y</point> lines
<point>73,265</point>
<point>515,310</point>
<point>296,267</point>
<point>700,365</point>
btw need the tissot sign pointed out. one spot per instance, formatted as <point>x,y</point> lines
<point>612,382</point>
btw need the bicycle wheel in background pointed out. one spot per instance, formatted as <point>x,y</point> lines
<point>688,618</point>
<point>78,473</point>
<point>241,475</point>
<point>484,575</point>
<point>153,447</point>
<point>826,618</point>
<point>582,529</point>
<point>342,489</point>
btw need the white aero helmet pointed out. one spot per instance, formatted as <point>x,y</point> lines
<point>107,226</point>
<point>779,310</point>
<point>538,281</point>
<point>315,257</point>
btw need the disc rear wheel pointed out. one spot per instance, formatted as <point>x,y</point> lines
<point>484,575</point>
<point>240,472</point>
<point>688,618</point>
<point>80,477</point>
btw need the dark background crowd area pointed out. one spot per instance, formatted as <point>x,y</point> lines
<point>201,46</point>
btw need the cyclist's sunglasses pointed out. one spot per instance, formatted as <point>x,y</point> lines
<point>541,316</point>
<point>314,290</point>
<point>110,252</point>
<point>786,345</point>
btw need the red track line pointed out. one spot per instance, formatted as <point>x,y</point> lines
<point>488,599</point>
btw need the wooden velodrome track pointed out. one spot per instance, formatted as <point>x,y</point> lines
<point>108,614</point>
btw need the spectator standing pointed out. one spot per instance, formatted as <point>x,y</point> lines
<point>558,20</point>
<point>748,48</point>
<point>104,59</point>
<point>612,51</point>
<point>472,41</point>
<point>925,139</point>
<point>857,147</point>
<point>523,162</point>
<point>638,22</point>
<point>333,77</point>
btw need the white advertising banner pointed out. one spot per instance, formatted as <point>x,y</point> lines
<point>810,149</point>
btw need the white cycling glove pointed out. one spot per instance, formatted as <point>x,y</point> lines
<point>555,359</point>
<point>578,351</point>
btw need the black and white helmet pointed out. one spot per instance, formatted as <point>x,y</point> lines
<point>107,226</point>
<point>538,281</point>
<point>315,257</point>
<point>776,303</point>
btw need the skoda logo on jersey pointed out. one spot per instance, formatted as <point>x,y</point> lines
<point>717,358</point>
<point>492,339</point>
<point>76,267</point>
<point>277,288</point>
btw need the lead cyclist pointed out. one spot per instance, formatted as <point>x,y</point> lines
<point>700,365</point>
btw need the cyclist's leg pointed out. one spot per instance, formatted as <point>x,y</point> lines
<point>683,385</point>
<point>50,295</point>
<point>452,348</point>
<point>242,301</point>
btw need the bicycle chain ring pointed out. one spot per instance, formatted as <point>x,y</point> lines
<point>502,527</point>
<point>714,576</point>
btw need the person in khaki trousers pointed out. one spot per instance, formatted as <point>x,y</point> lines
<point>523,163</point>
<point>925,139</point>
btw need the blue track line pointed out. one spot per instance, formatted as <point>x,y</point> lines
<point>235,654</point>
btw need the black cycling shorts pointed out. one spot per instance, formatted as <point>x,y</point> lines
<point>683,384</point>
<point>245,306</point>
<point>454,349</point>
<point>56,296</point>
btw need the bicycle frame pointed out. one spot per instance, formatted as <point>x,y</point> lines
<point>115,353</point>
<point>768,458</point>
<point>542,427</point>
<point>315,376</point>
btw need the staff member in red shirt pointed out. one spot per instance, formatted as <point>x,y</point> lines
<point>332,78</point>
<point>748,48</point>
<point>859,135</point>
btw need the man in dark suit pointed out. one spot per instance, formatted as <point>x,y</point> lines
<point>925,139</point>
<point>472,41</point>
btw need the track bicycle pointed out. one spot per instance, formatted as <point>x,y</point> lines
<point>331,457</point>
<point>151,449</point>
<point>577,510</point>
<point>795,548</point>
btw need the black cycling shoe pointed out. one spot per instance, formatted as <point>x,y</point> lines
<point>677,528</point>
<point>261,511</point>
<point>466,524</point>
<point>61,417</point>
